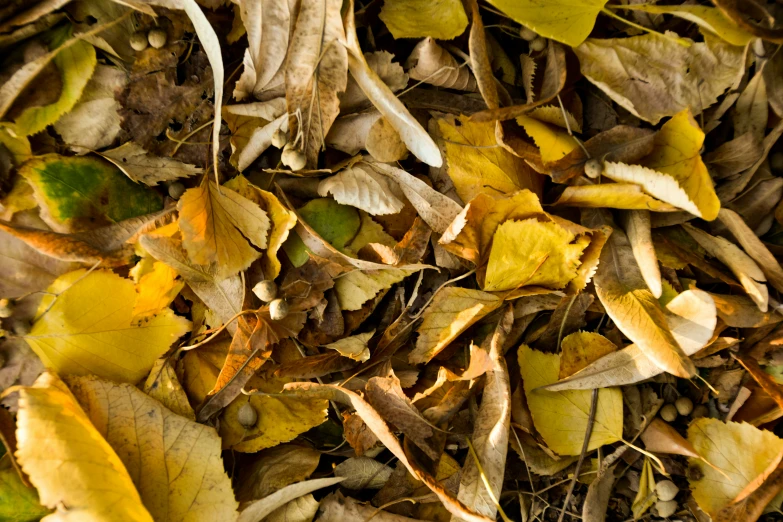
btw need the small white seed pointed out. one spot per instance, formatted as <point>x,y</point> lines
<point>157,37</point>
<point>279,138</point>
<point>138,41</point>
<point>666,508</point>
<point>293,159</point>
<point>176,190</point>
<point>539,44</point>
<point>776,161</point>
<point>666,490</point>
<point>668,413</point>
<point>247,416</point>
<point>593,168</point>
<point>527,34</point>
<point>684,406</point>
<point>700,411</point>
<point>265,290</point>
<point>278,309</point>
<point>6,308</point>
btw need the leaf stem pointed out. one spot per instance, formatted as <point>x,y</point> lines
<point>677,40</point>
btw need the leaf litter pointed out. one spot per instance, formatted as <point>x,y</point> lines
<point>308,260</point>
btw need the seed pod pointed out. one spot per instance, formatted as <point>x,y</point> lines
<point>684,406</point>
<point>279,138</point>
<point>537,45</point>
<point>247,416</point>
<point>593,168</point>
<point>666,490</point>
<point>6,308</point>
<point>157,37</point>
<point>668,413</point>
<point>666,508</point>
<point>138,41</point>
<point>176,190</point>
<point>293,158</point>
<point>527,34</point>
<point>265,290</point>
<point>278,309</point>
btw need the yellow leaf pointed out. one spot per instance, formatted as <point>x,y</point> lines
<point>477,164</point>
<point>561,417</point>
<point>156,290</point>
<point>567,21</point>
<point>216,225</point>
<point>674,172</point>
<point>553,143</point>
<point>709,18</point>
<point>441,19</point>
<point>359,286</point>
<point>532,252</point>
<point>163,385</point>
<point>740,450</point>
<point>354,346</point>
<point>611,195</point>
<point>74,469</point>
<point>452,311</point>
<point>283,220</point>
<point>646,495</point>
<point>556,116</point>
<point>84,326</point>
<point>151,441</point>
<point>581,349</point>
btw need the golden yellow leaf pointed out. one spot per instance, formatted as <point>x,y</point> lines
<point>152,441</point>
<point>282,221</point>
<point>646,496</point>
<point>74,469</point>
<point>569,22</point>
<point>216,225</point>
<point>84,326</point>
<point>354,347</point>
<point>611,195</point>
<point>674,171</point>
<point>359,286</point>
<point>554,143</point>
<point>580,349</point>
<point>441,19</point>
<point>561,417</point>
<point>451,312</point>
<point>726,445</point>
<point>532,252</point>
<point>156,290</point>
<point>163,385</point>
<point>477,164</point>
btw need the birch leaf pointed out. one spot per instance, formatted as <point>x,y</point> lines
<point>140,166</point>
<point>217,224</point>
<point>89,478</point>
<point>354,346</point>
<point>561,417</point>
<point>432,64</point>
<point>362,188</point>
<point>442,19</point>
<point>725,445</point>
<point>151,440</point>
<point>654,77</point>
<point>302,509</point>
<point>674,172</point>
<point>580,349</point>
<point>569,22</point>
<point>553,143</point>
<point>637,226</point>
<point>317,67</point>
<point>611,195</point>
<point>621,288</point>
<point>258,510</point>
<point>359,286</point>
<point>156,290</point>
<point>84,326</point>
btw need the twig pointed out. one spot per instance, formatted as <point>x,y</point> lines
<point>585,444</point>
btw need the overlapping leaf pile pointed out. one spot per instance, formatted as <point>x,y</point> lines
<point>297,260</point>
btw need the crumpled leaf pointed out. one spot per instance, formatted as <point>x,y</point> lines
<point>81,193</point>
<point>674,171</point>
<point>275,468</point>
<point>337,508</point>
<point>258,510</point>
<point>359,286</point>
<point>725,445</point>
<point>156,290</point>
<point>88,478</point>
<point>354,346</point>
<point>83,325</point>
<point>151,440</point>
<point>140,166</point>
<point>561,417</point>
<point>444,19</point>
<point>646,495</point>
<point>217,224</point>
<point>362,473</point>
<point>569,22</point>
<point>362,188</point>
<point>654,77</point>
<point>432,64</point>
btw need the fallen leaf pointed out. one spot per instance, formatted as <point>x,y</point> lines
<point>754,247</point>
<point>611,195</point>
<point>362,473</point>
<point>432,64</point>
<point>163,385</point>
<point>443,20</point>
<point>752,507</point>
<point>660,437</point>
<point>258,510</point>
<point>561,416</point>
<point>83,325</point>
<point>637,226</point>
<point>19,501</point>
<point>354,346</point>
<point>580,349</point>
<point>141,167</point>
<point>553,143</point>
<point>275,468</point>
<point>89,478</point>
<point>301,509</point>
<point>646,495</point>
<point>337,508</point>
<point>363,188</point>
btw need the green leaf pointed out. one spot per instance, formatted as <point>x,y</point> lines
<point>337,224</point>
<point>76,64</point>
<point>567,21</point>
<point>18,503</point>
<point>81,193</point>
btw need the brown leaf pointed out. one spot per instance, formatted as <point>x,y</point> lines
<point>751,507</point>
